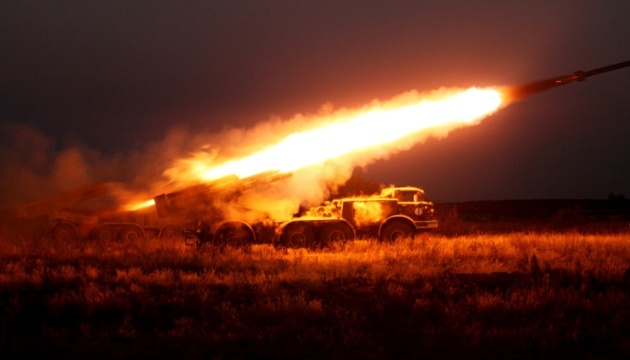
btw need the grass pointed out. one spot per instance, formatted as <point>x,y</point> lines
<point>521,295</point>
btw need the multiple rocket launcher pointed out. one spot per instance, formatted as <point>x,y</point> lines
<point>179,202</point>
<point>187,199</point>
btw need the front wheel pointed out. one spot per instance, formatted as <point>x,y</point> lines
<point>396,230</point>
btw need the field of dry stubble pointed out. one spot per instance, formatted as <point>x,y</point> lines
<point>520,294</point>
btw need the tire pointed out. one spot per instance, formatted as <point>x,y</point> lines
<point>175,233</point>
<point>396,230</point>
<point>335,232</point>
<point>104,233</point>
<point>236,235</point>
<point>64,233</point>
<point>151,234</point>
<point>297,235</point>
<point>131,233</point>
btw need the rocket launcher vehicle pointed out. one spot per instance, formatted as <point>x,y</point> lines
<point>190,199</point>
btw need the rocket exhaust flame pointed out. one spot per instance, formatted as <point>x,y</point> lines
<point>365,130</point>
<point>139,205</point>
<point>350,138</point>
<point>322,157</point>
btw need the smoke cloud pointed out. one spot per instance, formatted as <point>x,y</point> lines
<point>35,165</point>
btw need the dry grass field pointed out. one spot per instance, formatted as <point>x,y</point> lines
<point>509,295</point>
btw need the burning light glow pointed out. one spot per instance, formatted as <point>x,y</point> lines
<point>373,132</point>
<point>371,128</point>
<point>138,205</point>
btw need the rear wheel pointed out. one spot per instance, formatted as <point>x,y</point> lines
<point>396,230</point>
<point>104,233</point>
<point>335,232</point>
<point>131,233</point>
<point>173,233</point>
<point>235,235</point>
<point>64,233</point>
<point>297,235</point>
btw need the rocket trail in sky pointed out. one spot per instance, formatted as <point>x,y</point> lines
<point>355,137</point>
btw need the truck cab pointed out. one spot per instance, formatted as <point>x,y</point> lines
<point>412,203</point>
<point>394,213</point>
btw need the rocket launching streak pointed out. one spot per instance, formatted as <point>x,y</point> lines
<point>519,92</point>
<point>352,137</point>
<point>364,131</point>
<point>375,130</point>
<point>344,139</point>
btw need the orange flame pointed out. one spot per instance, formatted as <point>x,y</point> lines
<point>373,131</point>
<point>368,212</point>
<point>369,128</point>
<point>134,206</point>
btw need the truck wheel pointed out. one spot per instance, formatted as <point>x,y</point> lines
<point>395,231</point>
<point>104,233</point>
<point>64,233</point>
<point>175,233</point>
<point>297,235</point>
<point>131,233</point>
<point>235,235</point>
<point>335,232</point>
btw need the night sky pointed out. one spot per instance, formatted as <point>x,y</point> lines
<point>119,89</point>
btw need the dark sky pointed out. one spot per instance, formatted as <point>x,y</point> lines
<point>114,78</point>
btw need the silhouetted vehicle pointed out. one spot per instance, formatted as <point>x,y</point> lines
<point>210,214</point>
<point>395,213</point>
<point>92,212</point>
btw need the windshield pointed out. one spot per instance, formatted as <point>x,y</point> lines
<point>410,196</point>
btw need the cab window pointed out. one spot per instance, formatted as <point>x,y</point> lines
<point>408,196</point>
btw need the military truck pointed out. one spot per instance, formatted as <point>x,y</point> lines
<point>92,212</point>
<point>396,212</point>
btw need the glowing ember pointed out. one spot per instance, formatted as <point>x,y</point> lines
<point>371,128</point>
